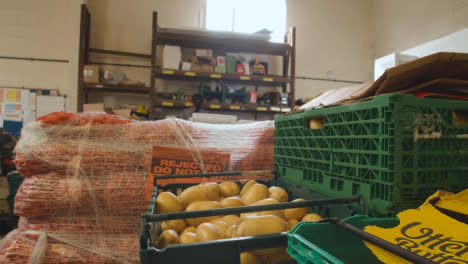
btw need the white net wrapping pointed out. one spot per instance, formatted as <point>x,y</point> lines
<point>85,176</point>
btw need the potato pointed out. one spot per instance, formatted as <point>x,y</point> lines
<point>229,232</point>
<point>208,231</point>
<point>296,213</point>
<point>292,223</point>
<point>188,237</point>
<point>311,217</point>
<point>228,189</point>
<point>221,225</point>
<point>168,237</point>
<point>233,201</point>
<point>198,193</point>
<point>278,213</point>
<point>214,184</point>
<point>177,225</point>
<point>282,257</point>
<point>168,203</point>
<point>249,258</point>
<point>261,225</point>
<point>228,219</point>
<point>255,193</point>
<point>190,229</point>
<point>278,193</point>
<point>202,205</point>
<point>247,186</point>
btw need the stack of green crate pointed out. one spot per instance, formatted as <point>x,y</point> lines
<point>395,150</point>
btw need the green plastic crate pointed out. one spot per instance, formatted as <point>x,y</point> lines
<point>14,181</point>
<point>226,251</point>
<point>325,243</point>
<point>395,150</point>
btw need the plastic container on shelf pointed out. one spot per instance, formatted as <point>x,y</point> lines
<point>395,150</point>
<point>325,243</point>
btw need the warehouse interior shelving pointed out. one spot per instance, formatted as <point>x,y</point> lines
<point>161,36</point>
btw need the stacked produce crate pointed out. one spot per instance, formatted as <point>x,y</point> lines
<point>395,150</point>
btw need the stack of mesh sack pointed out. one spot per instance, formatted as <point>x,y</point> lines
<point>85,177</point>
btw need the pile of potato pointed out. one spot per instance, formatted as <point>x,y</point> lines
<point>229,194</point>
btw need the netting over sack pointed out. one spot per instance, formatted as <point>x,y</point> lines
<point>84,190</point>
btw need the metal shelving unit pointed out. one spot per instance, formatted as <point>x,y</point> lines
<point>219,44</point>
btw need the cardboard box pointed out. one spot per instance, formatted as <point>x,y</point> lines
<point>252,97</point>
<point>125,113</point>
<point>206,53</point>
<point>445,70</point>
<point>186,66</point>
<point>171,57</point>
<point>196,66</point>
<point>220,64</point>
<point>91,74</point>
<point>93,108</point>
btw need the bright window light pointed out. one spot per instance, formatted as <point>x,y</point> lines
<point>247,16</point>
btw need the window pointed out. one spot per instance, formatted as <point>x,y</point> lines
<point>247,16</point>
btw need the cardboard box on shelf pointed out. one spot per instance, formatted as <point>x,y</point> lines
<point>199,66</point>
<point>253,97</point>
<point>186,66</point>
<point>205,53</point>
<point>171,58</point>
<point>125,113</point>
<point>93,108</point>
<point>220,64</point>
<point>91,74</point>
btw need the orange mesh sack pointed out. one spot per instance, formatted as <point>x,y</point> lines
<point>85,178</point>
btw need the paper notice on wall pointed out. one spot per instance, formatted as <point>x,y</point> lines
<point>13,116</point>
<point>49,104</point>
<point>28,117</point>
<point>10,108</point>
<point>13,96</point>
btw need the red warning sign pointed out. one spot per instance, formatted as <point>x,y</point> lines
<point>173,160</point>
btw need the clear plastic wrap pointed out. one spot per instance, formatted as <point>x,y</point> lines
<point>84,191</point>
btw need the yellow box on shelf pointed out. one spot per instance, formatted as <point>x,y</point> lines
<point>215,106</point>
<point>167,71</point>
<point>268,79</point>
<point>214,75</point>
<point>234,107</point>
<point>165,103</point>
<point>244,77</point>
<point>188,104</point>
<point>190,74</point>
<point>261,108</point>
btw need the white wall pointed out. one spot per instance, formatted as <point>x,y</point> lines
<point>402,24</point>
<point>334,41</point>
<point>41,29</point>
<point>455,42</point>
